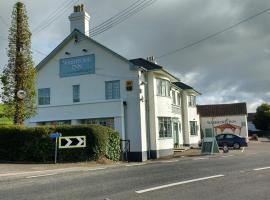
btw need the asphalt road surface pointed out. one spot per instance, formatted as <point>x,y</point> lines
<point>243,175</point>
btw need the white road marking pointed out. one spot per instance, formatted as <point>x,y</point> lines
<point>94,169</point>
<point>227,156</point>
<point>263,168</point>
<point>136,164</point>
<point>178,183</point>
<point>200,158</point>
<point>37,176</point>
<point>169,161</point>
<point>60,170</point>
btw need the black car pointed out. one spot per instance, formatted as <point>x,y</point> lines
<point>231,140</point>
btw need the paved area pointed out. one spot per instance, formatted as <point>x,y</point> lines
<point>238,175</point>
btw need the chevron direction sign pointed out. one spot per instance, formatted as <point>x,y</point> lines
<point>72,142</point>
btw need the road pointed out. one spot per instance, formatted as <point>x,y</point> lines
<point>230,176</point>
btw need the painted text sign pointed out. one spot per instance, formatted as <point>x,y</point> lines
<point>72,142</point>
<point>76,66</point>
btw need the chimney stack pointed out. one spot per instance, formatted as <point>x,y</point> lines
<point>80,19</point>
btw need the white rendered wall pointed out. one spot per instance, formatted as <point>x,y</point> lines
<point>189,114</point>
<point>108,67</point>
<point>185,118</point>
<point>160,107</point>
<point>193,116</point>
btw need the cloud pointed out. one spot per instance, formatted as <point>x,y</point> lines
<point>231,67</point>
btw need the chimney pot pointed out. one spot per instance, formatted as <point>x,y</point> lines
<point>151,59</point>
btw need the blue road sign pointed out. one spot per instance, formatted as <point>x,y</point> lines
<point>55,135</point>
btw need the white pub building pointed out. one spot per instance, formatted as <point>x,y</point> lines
<point>83,82</point>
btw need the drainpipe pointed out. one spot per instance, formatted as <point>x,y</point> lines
<point>125,119</point>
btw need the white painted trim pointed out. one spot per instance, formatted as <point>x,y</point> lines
<point>81,103</point>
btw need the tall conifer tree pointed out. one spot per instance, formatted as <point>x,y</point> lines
<point>19,73</point>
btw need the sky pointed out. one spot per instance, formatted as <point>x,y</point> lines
<point>231,67</point>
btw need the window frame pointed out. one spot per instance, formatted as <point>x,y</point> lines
<point>191,101</point>
<point>165,132</point>
<point>76,97</point>
<point>174,102</point>
<point>111,91</point>
<point>46,98</point>
<point>193,125</point>
<point>178,97</point>
<point>109,122</point>
<point>163,87</point>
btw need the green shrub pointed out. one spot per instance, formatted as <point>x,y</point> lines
<point>25,144</point>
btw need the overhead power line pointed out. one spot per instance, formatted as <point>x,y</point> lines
<point>111,18</point>
<point>121,16</point>
<point>55,15</point>
<point>214,34</point>
<point>51,15</point>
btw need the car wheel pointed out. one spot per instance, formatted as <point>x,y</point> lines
<point>236,146</point>
<point>224,145</point>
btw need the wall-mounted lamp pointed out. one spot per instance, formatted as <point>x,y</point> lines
<point>67,53</point>
<point>84,50</point>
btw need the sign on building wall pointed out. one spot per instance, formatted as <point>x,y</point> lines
<point>227,124</point>
<point>76,66</point>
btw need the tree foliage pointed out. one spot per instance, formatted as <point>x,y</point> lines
<point>262,117</point>
<point>19,73</point>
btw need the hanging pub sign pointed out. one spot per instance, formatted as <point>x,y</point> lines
<point>76,66</point>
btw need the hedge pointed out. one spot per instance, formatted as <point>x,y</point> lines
<point>33,144</point>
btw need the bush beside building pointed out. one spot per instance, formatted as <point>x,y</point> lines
<point>4,120</point>
<point>24,144</point>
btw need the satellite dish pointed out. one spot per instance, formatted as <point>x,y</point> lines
<point>21,94</point>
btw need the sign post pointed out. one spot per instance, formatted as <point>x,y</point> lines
<point>56,136</point>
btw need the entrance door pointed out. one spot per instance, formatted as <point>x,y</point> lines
<point>176,134</point>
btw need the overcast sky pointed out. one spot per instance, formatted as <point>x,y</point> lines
<point>231,67</point>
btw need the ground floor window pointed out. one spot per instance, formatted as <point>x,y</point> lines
<point>165,127</point>
<point>101,121</point>
<point>61,122</point>
<point>193,128</point>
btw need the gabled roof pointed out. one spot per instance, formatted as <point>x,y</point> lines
<point>74,33</point>
<point>145,64</point>
<point>184,86</point>
<point>216,110</point>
